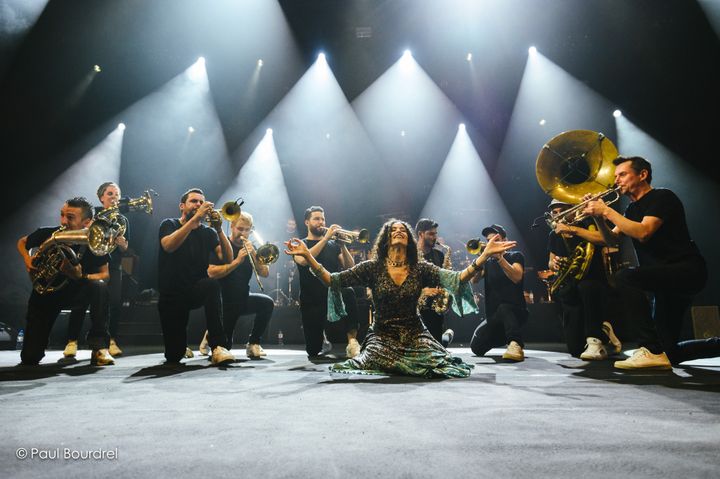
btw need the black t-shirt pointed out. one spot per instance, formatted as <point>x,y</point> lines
<point>434,256</point>
<point>557,246</point>
<point>311,288</point>
<point>180,270</point>
<point>498,287</point>
<point>671,242</point>
<point>236,285</point>
<point>90,263</point>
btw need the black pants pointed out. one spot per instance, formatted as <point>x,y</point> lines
<point>77,314</point>
<point>261,305</point>
<point>44,309</point>
<point>314,313</point>
<point>583,307</point>
<point>175,311</point>
<point>672,287</point>
<point>433,322</point>
<point>500,327</point>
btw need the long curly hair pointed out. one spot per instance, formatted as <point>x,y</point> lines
<point>382,242</point>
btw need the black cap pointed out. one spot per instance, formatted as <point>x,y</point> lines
<point>494,229</point>
<point>555,203</point>
<point>425,224</point>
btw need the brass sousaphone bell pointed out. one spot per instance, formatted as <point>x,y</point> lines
<point>569,166</point>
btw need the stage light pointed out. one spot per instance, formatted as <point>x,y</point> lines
<point>121,126</point>
<point>191,129</point>
<point>532,50</point>
<point>469,57</point>
<point>97,69</point>
<point>542,122</point>
<point>269,131</point>
<point>197,70</point>
<point>260,63</point>
<point>617,113</point>
<point>461,127</point>
<point>327,136</point>
<point>321,57</point>
<point>402,133</point>
<point>407,54</point>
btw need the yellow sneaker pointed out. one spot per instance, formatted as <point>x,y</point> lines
<point>514,352</point>
<point>642,358</point>
<point>254,351</point>
<point>101,357</point>
<point>204,347</point>
<point>114,350</point>
<point>352,349</point>
<point>221,355</point>
<point>70,349</point>
<point>188,353</point>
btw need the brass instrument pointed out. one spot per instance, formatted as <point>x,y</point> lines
<point>266,254</point>
<point>347,236</point>
<point>46,276</point>
<point>570,166</point>
<point>475,246</point>
<point>230,211</point>
<point>117,222</point>
<point>441,302</point>
<point>575,215</point>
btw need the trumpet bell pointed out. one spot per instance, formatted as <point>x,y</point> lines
<point>363,236</point>
<point>575,163</point>
<point>475,246</point>
<point>231,210</point>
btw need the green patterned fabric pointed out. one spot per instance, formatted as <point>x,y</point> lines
<point>398,342</point>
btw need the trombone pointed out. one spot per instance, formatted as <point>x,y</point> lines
<point>266,254</point>
<point>347,236</point>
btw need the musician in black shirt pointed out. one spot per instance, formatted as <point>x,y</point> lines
<point>504,302</point>
<point>86,284</point>
<point>583,301</point>
<point>186,245</point>
<point>109,195</point>
<point>671,267</point>
<point>434,301</point>
<point>234,278</point>
<point>313,293</point>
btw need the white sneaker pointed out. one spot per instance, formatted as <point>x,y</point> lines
<point>594,350</point>
<point>514,352</point>
<point>447,337</point>
<point>204,347</point>
<point>188,353</point>
<point>101,357</point>
<point>326,346</point>
<point>70,349</point>
<point>221,355</point>
<point>254,351</point>
<point>643,358</point>
<point>610,333</point>
<point>352,349</point>
<point>114,349</point>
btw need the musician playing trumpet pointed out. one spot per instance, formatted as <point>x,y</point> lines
<point>186,245</point>
<point>86,285</point>
<point>234,279</point>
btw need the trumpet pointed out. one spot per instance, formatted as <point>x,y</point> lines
<point>575,215</point>
<point>116,222</point>
<point>475,246</point>
<point>230,211</point>
<point>347,236</point>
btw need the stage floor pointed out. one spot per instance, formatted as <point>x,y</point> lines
<point>550,416</point>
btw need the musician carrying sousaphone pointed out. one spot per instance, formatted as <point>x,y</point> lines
<point>570,166</point>
<point>68,269</point>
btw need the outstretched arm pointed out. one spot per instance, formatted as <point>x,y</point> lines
<point>296,248</point>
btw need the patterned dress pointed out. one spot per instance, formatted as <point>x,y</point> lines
<point>398,341</point>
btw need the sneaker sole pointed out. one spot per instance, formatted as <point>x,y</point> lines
<point>645,368</point>
<point>512,358</point>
